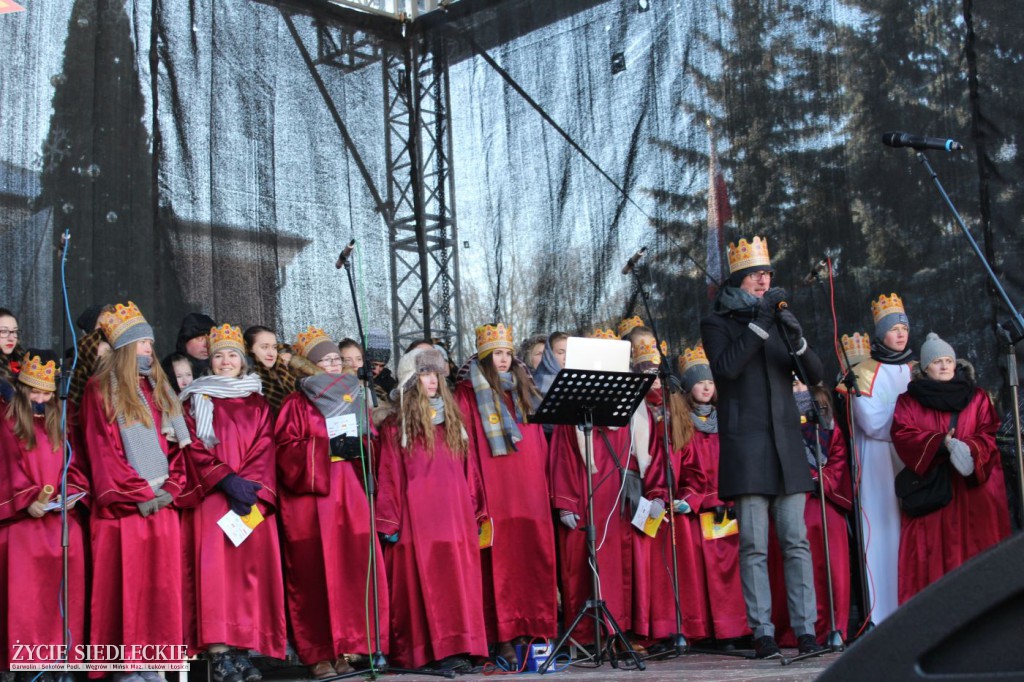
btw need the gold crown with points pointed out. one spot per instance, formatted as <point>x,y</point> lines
<point>857,347</point>
<point>693,356</point>
<point>491,337</point>
<point>598,333</point>
<point>886,305</point>
<point>116,322</point>
<point>645,350</point>
<point>629,324</point>
<point>750,254</point>
<point>227,337</point>
<point>37,375</point>
<point>310,339</point>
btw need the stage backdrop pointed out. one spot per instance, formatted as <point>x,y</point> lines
<point>197,166</point>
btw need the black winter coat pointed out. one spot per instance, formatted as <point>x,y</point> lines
<point>761,445</point>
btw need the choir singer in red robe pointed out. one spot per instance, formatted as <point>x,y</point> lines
<point>925,435</point>
<point>429,511</point>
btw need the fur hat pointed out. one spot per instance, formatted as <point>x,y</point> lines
<point>417,362</point>
<point>935,348</point>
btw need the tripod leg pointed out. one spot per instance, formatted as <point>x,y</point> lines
<point>615,634</point>
<point>583,612</point>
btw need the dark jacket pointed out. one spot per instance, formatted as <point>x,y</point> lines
<point>193,325</point>
<point>761,446</point>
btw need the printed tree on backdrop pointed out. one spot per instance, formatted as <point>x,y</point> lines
<point>768,88</point>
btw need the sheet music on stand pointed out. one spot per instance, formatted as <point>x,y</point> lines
<point>610,397</point>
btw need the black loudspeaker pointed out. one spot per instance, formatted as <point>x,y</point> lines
<point>967,626</point>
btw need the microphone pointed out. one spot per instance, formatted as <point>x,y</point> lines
<point>920,143</point>
<point>631,263</point>
<point>346,253</point>
<point>816,271</point>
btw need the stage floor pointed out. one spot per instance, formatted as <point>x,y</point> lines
<point>694,668</point>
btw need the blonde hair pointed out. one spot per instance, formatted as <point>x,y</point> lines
<point>680,421</point>
<point>415,416</point>
<point>20,413</point>
<point>121,363</point>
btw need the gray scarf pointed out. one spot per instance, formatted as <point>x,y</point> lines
<point>437,405</point>
<point>212,386</point>
<point>735,299</point>
<point>705,418</point>
<point>334,395</point>
<point>141,444</point>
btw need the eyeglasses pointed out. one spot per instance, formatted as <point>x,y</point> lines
<point>760,274</point>
<point>4,333</point>
<point>331,360</point>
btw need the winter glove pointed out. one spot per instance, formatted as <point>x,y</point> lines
<point>346,447</point>
<point>162,499</point>
<point>657,509</point>
<point>391,539</point>
<point>239,490</point>
<point>719,514</point>
<point>568,519</point>
<point>960,456</point>
<point>682,507</point>
<point>773,297</point>
<point>730,513</point>
<point>789,323</point>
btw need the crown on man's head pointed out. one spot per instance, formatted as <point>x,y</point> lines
<point>693,356</point>
<point>490,337</point>
<point>752,254</point>
<point>116,322</point>
<point>226,336</point>
<point>309,339</point>
<point>40,376</point>
<point>599,333</point>
<point>886,305</point>
<point>629,324</point>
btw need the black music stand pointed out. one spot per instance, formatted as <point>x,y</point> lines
<point>588,398</point>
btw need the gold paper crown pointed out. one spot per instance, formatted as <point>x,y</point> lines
<point>39,376</point>
<point>116,322</point>
<point>629,324</point>
<point>693,356</point>
<point>857,347</point>
<point>309,339</point>
<point>886,305</point>
<point>226,336</point>
<point>750,254</point>
<point>645,350</point>
<point>598,333</point>
<point>491,337</point>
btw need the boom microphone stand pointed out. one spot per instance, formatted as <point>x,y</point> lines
<point>65,387</point>
<point>378,661</point>
<point>1008,333</point>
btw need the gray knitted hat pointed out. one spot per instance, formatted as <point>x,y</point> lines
<point>935,348</point>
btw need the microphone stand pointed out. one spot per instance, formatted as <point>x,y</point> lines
<point>834,639</point>
<point>1009,333</point>
<point>378,661</point>
<point>678,640</point>
<point>65,388</point>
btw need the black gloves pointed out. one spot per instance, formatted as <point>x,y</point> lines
<point>346,447</point>
<point>789,322</point>
<point>241,493</point>
<point>773,297</point>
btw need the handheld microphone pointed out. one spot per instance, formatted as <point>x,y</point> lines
<point>631,263</point>
<point>920,142</point>
<point>816,272</point>
<point>346,253</point>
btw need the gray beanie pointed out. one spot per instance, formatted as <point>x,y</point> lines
<point>935,348</point>
<point>378,346</point>
<point>883,326</point>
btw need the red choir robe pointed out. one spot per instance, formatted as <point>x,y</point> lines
<point>434,501</point>
<point>136,586</point>
<point>325,517</point>
<point>233,595</point>
<point>519,581</point>
<point>30,549</point>
<point>976,518</point>
<point>839,502</point>
<point>618,541</point>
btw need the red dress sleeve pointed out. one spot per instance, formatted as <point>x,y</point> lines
<point>836,472</point>
<point>915,436</point>
<point>303,449</point>
<point>980,435</point>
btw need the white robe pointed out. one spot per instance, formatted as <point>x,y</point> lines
<point>880,509</point>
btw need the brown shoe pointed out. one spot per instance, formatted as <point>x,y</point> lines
<point>342,666</point>
<point>322,670</point>
<point>506,651</point>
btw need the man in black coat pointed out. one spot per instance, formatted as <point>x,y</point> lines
<point>762,465</point>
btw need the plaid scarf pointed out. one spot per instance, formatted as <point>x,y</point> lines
<point>211,386</point>
<point>278,383</point>
<point>87,363</point>
<point>141,444</point>
<point>334,395</point>
<point>499,426</point>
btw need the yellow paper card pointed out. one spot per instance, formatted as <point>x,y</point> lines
<point>486,534</point>
<point>253,518</point>
<point>651,526</point>
<point>713,531</point>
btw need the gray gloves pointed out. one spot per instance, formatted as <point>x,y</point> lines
<point>657,509</point>
<point>568,519</point>
<point>162,499</point>
<point>960,456</point>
